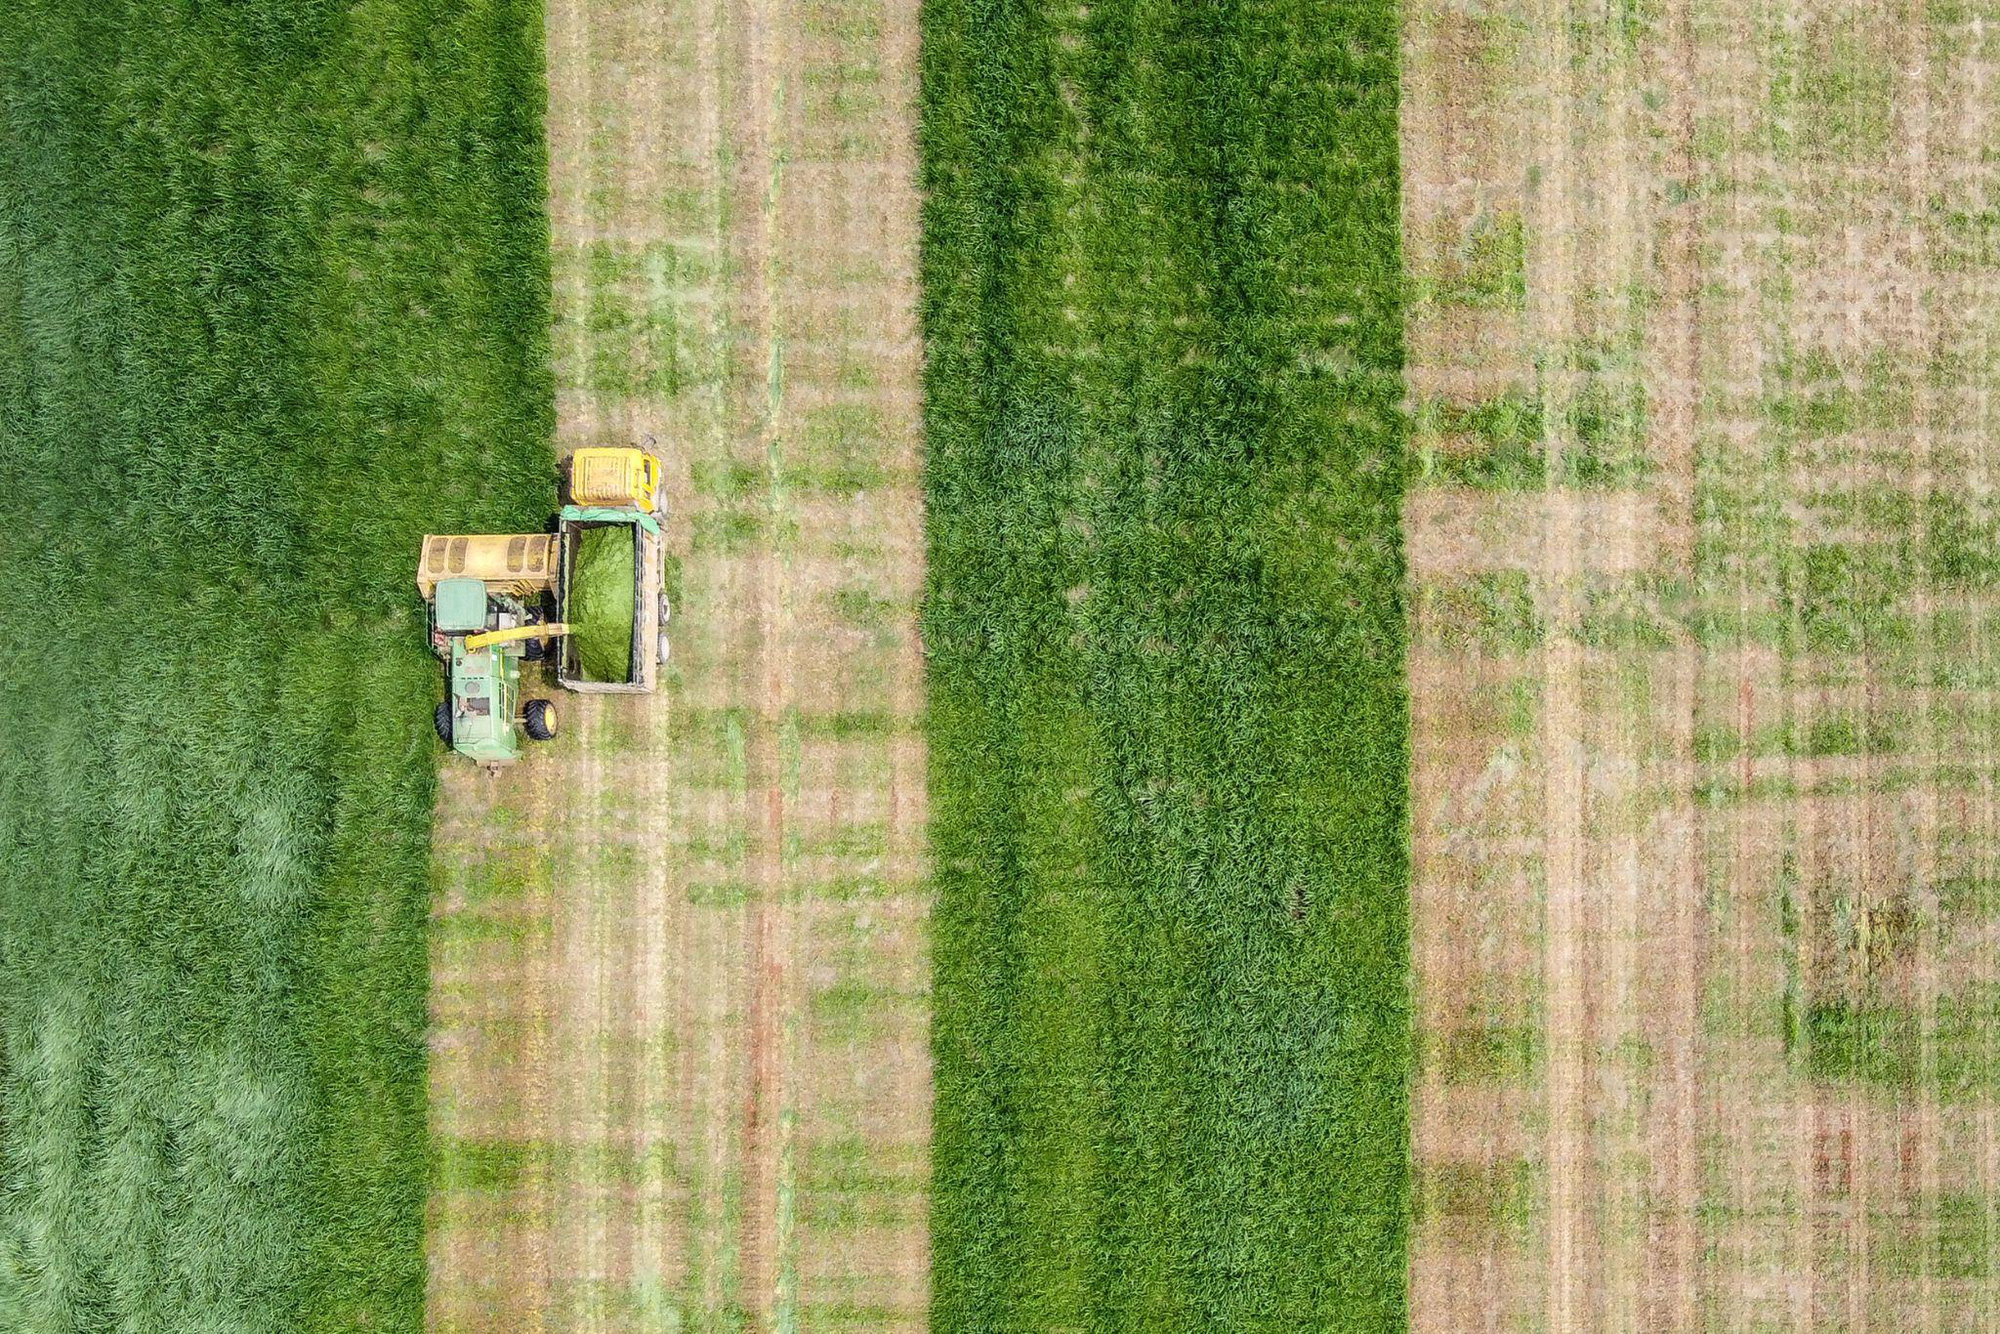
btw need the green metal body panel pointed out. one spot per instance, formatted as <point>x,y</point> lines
<point>461,605</point>
<point>485,695</point>
<point>483,685</point>
<point>591,514</point>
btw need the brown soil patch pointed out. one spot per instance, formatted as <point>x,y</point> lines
<point>680,1066</point>
<point>1456,531</point>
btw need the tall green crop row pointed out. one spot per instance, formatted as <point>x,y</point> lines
<point>1165,625</point>
<point>273,302</point>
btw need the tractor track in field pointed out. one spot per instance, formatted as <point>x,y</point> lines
<point>680,1068</point>
<point>766,1121</point>
<point>1668,1296</point>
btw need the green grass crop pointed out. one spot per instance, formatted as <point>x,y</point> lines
<point>601,596</point>
<point>273,302</point>
<point>1168,719</point>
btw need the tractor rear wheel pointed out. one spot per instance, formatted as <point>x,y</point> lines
<point>442,721</point>
<point>538,720</point>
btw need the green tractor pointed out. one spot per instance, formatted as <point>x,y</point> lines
<point>484,634</point>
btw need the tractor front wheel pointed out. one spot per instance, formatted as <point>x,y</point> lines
<point>538,719</point>
<point>442,721</point>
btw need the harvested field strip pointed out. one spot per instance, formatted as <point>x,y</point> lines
<point>262,324</point>
<point>682,1072</point>
<point>1165,628</point>
<point>1704,828</point>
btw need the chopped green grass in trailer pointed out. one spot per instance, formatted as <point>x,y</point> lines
<point>273,304</point>
<point>603,601</point>
<point>1164,624</point>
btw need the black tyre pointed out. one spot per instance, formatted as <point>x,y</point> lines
<point>442,721</point>
<point>538,720</point>
<point>534,650</point>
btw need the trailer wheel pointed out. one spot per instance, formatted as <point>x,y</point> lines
<point>664,646</point>
<point>534,650</point>
<point>538,720</point>
<point>442,721</point>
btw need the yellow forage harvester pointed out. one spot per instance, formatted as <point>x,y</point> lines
<point>497,600</point>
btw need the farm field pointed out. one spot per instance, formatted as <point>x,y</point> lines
<point>1702,560</point>
<point>1332,667</point>
<point>1164,631</point>
<point>261,324</point>
<point>680,1077</point>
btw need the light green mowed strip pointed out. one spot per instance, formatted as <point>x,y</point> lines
<point>273,303</point>
<point>1165,629</point>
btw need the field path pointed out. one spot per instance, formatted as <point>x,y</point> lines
<point>1702,560</point>
<point>680,1070</point>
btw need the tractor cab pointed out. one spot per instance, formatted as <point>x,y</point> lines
<point>483,633</point>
